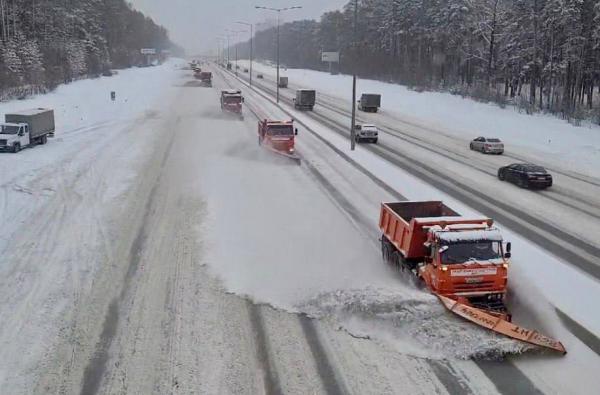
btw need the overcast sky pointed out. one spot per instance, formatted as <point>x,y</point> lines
<point>195,24</point>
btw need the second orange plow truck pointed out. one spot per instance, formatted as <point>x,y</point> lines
<point>463,261</point>
<point>279,137</point>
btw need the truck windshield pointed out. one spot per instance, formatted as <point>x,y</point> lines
<point>281,130</point>
<point>465,252</point>
<point>9,129</point>
<point>232,99</point>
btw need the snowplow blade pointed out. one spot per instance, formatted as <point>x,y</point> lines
<point>293,156</point>
<point>501,326</point>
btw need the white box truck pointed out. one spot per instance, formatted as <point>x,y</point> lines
<point>26,128</point>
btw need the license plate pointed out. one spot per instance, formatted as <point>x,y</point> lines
<point>473,280</point>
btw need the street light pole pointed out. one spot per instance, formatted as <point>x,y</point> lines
<point>278,10</point>
<point>353,123</point>
<point>251,38</point>
<point>235,33</point>
<point>228,46</point>
<point>278,14</point>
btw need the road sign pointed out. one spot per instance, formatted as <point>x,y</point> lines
<point>148,51</point>
<point>332,57</point>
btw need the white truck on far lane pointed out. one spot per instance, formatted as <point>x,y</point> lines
<point>26,128</point>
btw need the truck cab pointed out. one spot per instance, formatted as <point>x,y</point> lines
<point>206,78</point>
<point>231,101</point>
<point>277,135</point>
<point>14,136</point>
<point>467,263</point>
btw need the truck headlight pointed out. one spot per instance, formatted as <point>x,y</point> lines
<point>444,268</point>
<point>505,265</point>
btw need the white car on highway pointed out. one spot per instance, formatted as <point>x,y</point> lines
<point>487,145</point>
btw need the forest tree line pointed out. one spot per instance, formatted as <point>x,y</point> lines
<point>537,54</point>
<point>44,43</point>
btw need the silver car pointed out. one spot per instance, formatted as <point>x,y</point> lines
<point>487,145</point>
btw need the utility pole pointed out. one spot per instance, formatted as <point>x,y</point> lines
<point>251,38</point>
<point>228,46</point>
<point>278,10</point>
<point>235,33</point>
<point>353,123</point>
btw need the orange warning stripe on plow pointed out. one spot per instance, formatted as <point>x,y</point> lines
<point>499,325</point>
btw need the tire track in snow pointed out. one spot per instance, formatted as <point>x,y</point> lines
<point>96,367</point>
<point>327,372</point>
<point>324,367</point>
<point>271,383</point>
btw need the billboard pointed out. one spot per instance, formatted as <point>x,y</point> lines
<point>332,57</point>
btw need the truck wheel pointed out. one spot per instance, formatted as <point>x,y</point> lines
<point>16,148</point>
<point>386,249</point>
<point>44,139</point>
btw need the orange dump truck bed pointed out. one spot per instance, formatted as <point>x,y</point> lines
<point>405,224</point>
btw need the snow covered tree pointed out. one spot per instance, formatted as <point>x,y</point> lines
<point>544,54</point>
<point>46,42</point>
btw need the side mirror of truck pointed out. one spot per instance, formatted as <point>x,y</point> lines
<point>296,131</point>
<point>508,246</point>
<point>243,100</point>
<point>428,250</point>
<point>507,255</point>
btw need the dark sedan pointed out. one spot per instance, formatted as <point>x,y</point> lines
<point>525,175</point>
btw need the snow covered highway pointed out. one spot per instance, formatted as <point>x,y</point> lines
<point>152,247</point>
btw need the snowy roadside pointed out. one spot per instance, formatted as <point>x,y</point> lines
<point>61,208</point>
<point>86,121</point>
<point>540,137</point>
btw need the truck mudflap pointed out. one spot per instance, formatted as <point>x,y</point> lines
<point>499,325</point>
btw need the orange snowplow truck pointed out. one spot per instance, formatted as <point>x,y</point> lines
<point>278,136</point>
<point>462,260</point>
<point>231,101</point>
<point>206,78</point>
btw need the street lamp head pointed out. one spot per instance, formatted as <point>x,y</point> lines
<point>277,9</point>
